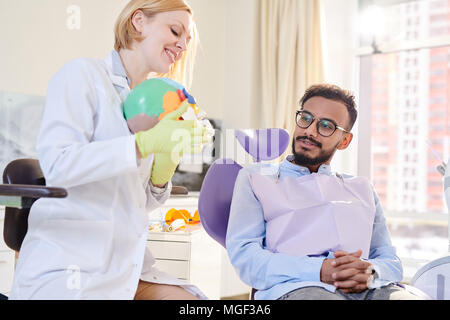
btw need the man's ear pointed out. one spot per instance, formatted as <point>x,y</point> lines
<point>346,139</point>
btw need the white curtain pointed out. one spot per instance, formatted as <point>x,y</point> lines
<point>291,57</point>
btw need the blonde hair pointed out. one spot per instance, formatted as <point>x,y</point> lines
<point>125,33</point>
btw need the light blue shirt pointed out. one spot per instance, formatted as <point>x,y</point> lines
<point>275,274</point>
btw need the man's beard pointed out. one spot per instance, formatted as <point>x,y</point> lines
<point>303,160</point>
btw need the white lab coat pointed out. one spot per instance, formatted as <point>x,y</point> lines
<point>92,244</point>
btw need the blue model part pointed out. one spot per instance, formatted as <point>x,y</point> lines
<point>173,83</point>
<point>190,98</point>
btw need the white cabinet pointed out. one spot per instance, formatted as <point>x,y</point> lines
<point>172,252</point>
<point>192,255</point>
<point>2,219</point>
<point>6,261</point>
<point>6,271</point>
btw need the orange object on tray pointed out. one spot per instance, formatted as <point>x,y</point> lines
<point>174,214</point>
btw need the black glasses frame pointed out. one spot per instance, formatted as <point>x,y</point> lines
<point>317,123</point>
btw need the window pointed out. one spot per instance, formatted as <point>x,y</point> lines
<point>417,84</point>
<point>414,136</point>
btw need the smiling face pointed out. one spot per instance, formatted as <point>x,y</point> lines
<point>310,149</point>
<point>165,35</point>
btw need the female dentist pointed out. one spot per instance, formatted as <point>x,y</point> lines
<point>92,244</point>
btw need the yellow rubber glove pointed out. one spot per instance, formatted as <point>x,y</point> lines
<point>165,164</point>
<point>170,135</point>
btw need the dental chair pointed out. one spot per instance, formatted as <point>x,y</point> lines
<point>218,185</point>
<point>23,184</point>
<point>217,189</point>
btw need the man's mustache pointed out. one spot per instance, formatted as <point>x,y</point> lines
<point>309,139</point>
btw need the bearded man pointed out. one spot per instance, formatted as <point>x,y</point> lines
<point>299,231</point>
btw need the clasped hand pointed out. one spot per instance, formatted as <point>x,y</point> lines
<point>347,272</point>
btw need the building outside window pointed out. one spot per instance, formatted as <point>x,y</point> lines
<point>405,87</point>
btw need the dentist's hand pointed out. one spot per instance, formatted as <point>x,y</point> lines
<point>171,136</point>
<point>347,272</point>
<point>164,166</point>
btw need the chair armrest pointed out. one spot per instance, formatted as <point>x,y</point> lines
<point>23,196</point>
<point>176,190</point>
<point>30,191</point>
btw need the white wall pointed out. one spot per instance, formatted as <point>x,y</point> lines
<point>208,84</point>
<point>36,42</point>
<point>341,67</point>
<point>222,80</point>
<point>340,41</point>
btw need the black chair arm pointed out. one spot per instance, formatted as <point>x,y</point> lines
<point>23,196</point>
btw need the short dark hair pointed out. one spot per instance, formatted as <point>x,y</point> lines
<point>333,92</point>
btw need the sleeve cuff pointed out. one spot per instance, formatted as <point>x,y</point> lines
<point>310,268</point>
<point>156,191</point>
<point>376,281</point>
<point>160,198</point>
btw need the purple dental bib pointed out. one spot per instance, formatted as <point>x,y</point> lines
<point>316,213</point>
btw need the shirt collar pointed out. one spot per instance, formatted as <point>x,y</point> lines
<point>117,66</point>
<point>295,168</point>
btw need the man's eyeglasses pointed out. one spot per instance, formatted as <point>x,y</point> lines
<point>325,127</point>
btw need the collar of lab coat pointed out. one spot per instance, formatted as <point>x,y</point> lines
<point>118,75</point>
<point>117,66</point>
<point>117,71</point>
